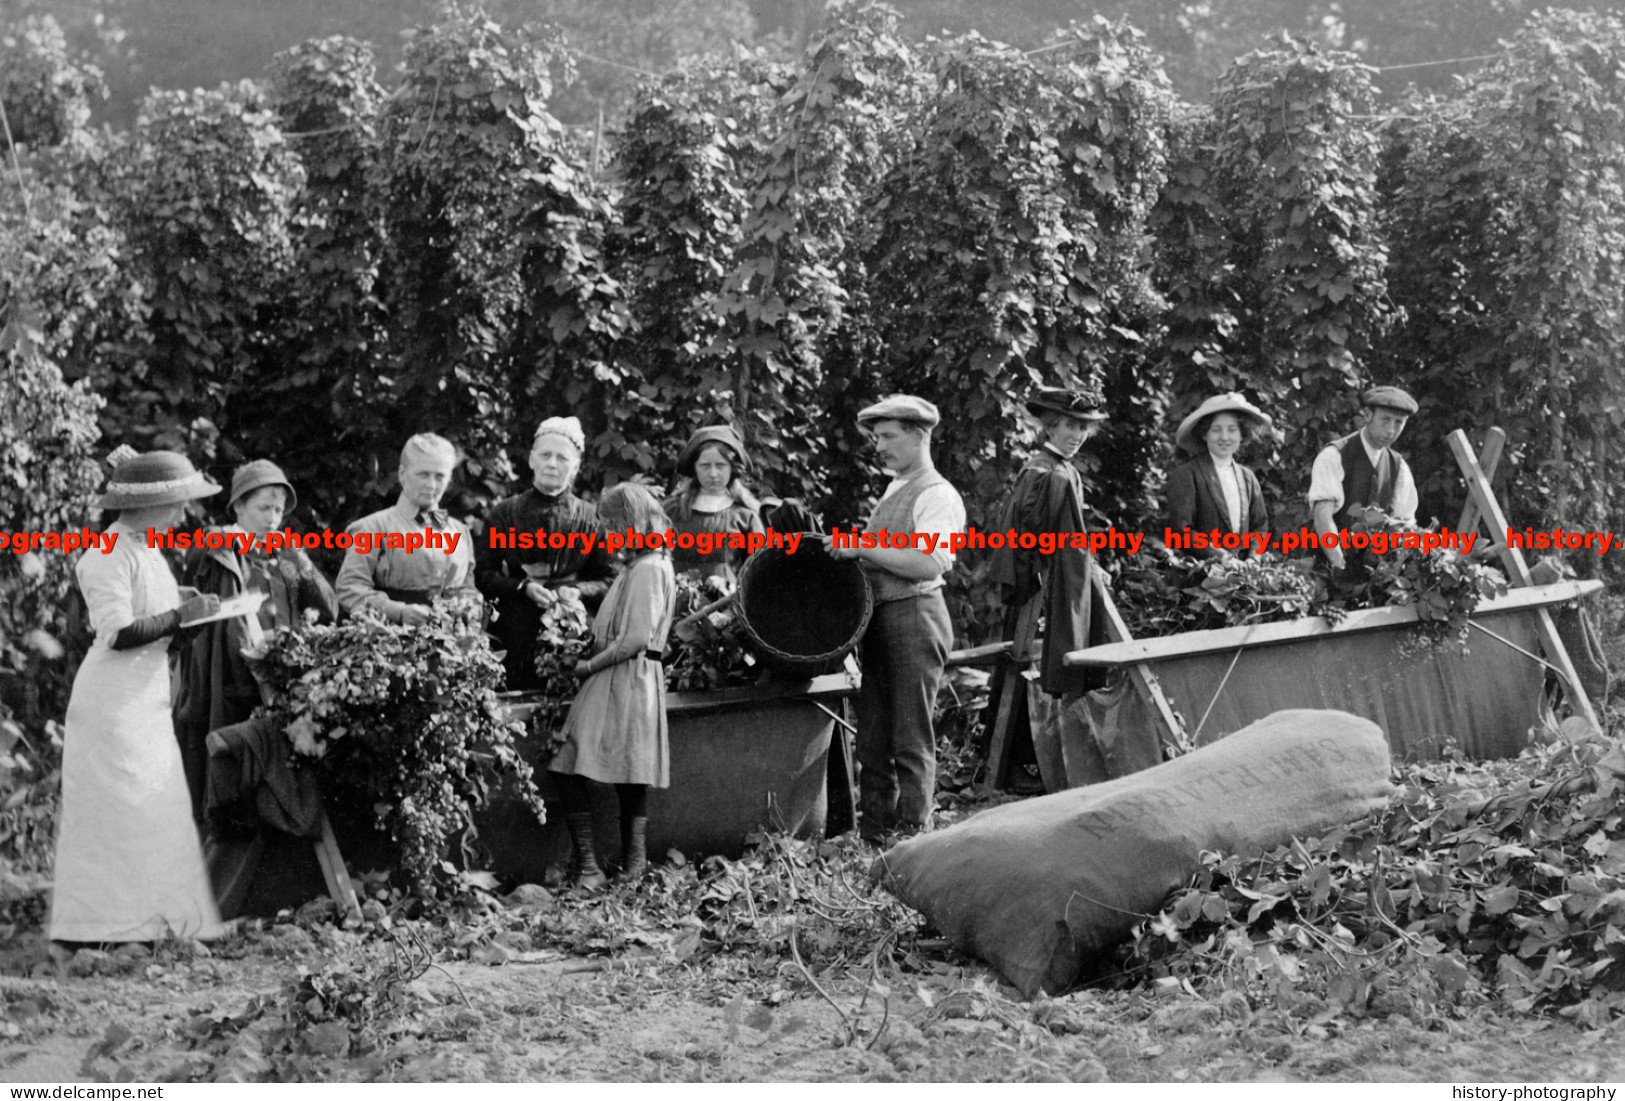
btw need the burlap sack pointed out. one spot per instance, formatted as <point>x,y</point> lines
<point>1035,888</point>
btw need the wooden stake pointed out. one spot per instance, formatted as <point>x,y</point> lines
<point>1478,489</point>
<point>1488,460</point>
<point>334,871</point>
<point>1001,744</point>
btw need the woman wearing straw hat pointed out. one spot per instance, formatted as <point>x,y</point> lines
<point>218,687</point>
<point>1213,494</point>
<point>128,863</point>
<point>711,499</point>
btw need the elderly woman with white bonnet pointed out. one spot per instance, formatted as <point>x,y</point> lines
<point>517,571</point>
<point>129,865</point>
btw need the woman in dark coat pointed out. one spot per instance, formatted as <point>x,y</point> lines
<point>1212,493</point>
<point>712,499</point>
<point>516,577</point>
<point>1047,498</point>
<point>218,687</point>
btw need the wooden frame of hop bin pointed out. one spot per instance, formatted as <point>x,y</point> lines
<point>1482,508</point>
<point>1019,657</point>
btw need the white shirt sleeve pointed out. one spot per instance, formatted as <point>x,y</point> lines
<point>1326,480</point>
<point>940,510</point>
<point>107,583</point>
<point>1405,497</point>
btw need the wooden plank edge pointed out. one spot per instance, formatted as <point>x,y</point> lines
<point>1192,643</point>
<point>519,706</point>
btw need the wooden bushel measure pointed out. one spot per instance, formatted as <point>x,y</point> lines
<point>803,612</point>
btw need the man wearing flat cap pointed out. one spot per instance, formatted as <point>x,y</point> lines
<point>514,576</point>
<point>1362,470</point>
<point>905,647</point>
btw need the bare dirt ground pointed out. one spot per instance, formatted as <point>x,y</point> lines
<point>510,1012</point>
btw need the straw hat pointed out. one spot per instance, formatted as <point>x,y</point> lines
<point>155,478</point>
<point>719,433</point>
<point>257,475</point>
<point>1219,403</point>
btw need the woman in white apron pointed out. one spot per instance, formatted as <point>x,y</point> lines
<point>129,866</point>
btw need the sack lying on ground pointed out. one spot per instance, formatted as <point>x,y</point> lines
<point>1037,887</point>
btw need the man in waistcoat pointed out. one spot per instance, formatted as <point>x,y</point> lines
<point>906,645</point>
<point>401,583</point>
<point>1363,470</point>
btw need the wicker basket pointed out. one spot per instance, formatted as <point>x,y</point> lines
<point>803,612</point>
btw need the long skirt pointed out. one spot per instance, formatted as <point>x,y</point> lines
<point>129,865</point>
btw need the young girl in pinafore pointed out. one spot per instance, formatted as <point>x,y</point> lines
<point>616,729</point>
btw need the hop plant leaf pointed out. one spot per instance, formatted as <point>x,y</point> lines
<point>405,716</point>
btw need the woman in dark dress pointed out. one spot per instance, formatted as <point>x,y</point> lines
<point>1048,498</point>
<point>515,577</point>
<point>711,499</point>
<point>219,691</point>
<point>1213,493</point>
<point>219,688</point>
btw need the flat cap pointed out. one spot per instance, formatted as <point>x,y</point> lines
<point>902,407</point>
<point>1390,397</point>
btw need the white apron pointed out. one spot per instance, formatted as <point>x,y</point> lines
<point>129,865</point>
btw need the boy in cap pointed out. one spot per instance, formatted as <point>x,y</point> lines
<point>905,647</point>
<point>1362,470</point>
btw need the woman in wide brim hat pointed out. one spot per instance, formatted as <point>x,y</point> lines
<point>129,865</point>
<point>217,685</point>
<point>711,499</point>
<point>1213,495</point>
<point>1047,500</point>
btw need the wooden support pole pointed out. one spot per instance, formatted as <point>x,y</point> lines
<point>1488,459</point>
<point>334,871</point>
<point>1001,744</point>
<point>1479,491</point>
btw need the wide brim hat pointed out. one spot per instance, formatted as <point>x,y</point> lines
<point>257,475</point>
<point>719,433</point>
<point>152,479</point>
<point>1072,403</point>
<point>1219,403</point>
<point>1390,397</point>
